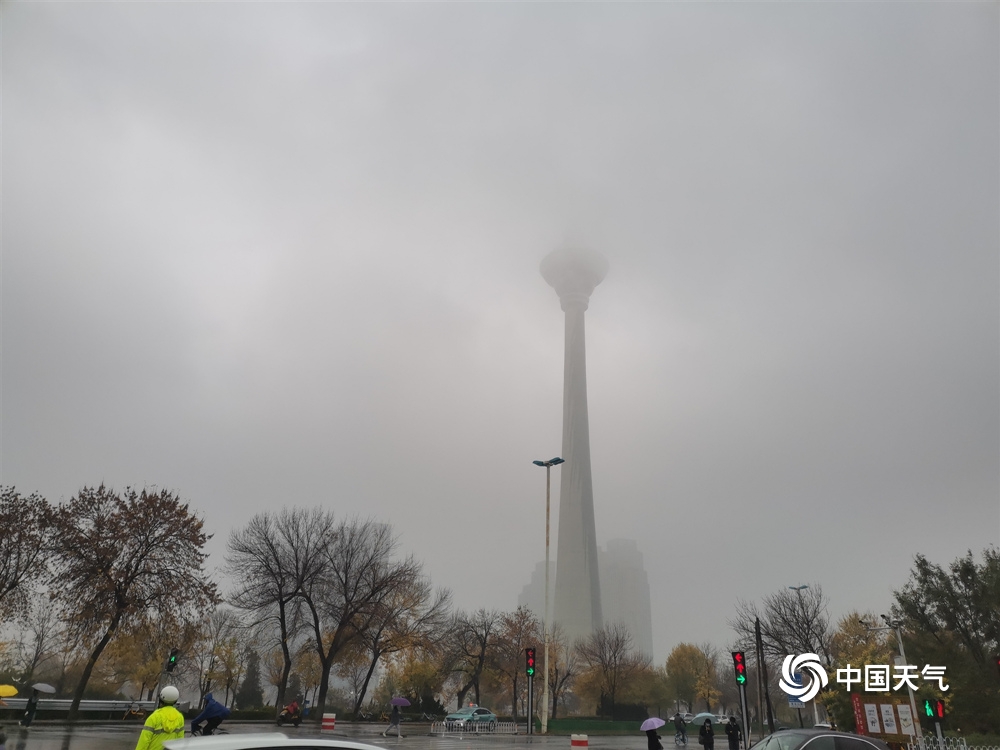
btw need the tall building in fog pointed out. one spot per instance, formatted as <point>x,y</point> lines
<point>574,274</point>
<point>625,591</point>
<point>533,594</point>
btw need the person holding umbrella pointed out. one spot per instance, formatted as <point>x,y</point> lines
<point>649,726</point>
<point>394,717</point>
<point>6,691</point>
<point>30,709</point>
<point>706,736</point>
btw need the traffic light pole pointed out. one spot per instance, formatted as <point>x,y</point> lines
<point>745,718</point>
<point>531,704</point>
<point>740,666</point>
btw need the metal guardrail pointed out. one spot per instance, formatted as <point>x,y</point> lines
<point>948,743</point>
<point>500,727</point>
<point>63,704</point>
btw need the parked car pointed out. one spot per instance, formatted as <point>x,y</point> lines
<point>263,741</point>
<point>818,739</point>
<point>470,718</point>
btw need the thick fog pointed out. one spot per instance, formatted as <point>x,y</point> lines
<point>267,254</point>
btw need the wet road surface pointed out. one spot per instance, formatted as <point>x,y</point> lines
<point>123,736</point>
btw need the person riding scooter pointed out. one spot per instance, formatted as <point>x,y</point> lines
<point>290,714</point>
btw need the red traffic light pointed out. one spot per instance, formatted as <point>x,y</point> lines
<point>934,709</point>
<point>740,667</point>
<point>529,662</point>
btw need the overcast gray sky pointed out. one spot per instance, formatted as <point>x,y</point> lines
<point>268,253</point>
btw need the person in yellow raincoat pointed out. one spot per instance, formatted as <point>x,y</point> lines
<point>165,723</point>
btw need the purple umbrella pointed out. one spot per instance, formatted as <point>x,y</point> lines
<point>397,701</point>
<point>653,723</point>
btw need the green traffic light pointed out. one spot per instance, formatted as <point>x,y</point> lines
<point>741,679</point>
<point>531,671</point>
<point>928,708</point>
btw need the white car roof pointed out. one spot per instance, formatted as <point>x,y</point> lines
<point>260,740</point>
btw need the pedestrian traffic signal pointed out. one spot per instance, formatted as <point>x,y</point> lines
<point>934,709</point>
<point>529,662</point>
<point>740,665</point>
<point>938,710</point>
<point>172,659</point>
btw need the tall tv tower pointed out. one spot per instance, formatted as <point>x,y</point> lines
<point>574,274</point>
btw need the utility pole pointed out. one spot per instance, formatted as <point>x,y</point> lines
<point>763,674</point>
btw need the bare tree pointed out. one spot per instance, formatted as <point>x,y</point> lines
<point>611,657</point>
<point>39,634</point>
<point>209,652</point>
<point>342,600</point>
<point>473,637</point>
<point>23,549</point>
<point>271,558</point>
<point>791,622</point>
<point>563,665</point>
<point>123,558</point>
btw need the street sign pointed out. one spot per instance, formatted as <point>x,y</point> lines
<point>794,702</point>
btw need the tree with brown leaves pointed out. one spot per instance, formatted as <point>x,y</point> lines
<point>124,559</point>
<point>23,549</point>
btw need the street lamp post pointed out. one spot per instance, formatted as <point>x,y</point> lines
<point>894,626</point>
<point>545,658</point>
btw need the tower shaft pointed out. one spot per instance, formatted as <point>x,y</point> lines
<point>578,593</point>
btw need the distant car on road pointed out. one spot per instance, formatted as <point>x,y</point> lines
<point>262,741</point>
<point>471,718</point>
<point>818,739</point>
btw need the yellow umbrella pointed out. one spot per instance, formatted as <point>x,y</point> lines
<point>7,691</point>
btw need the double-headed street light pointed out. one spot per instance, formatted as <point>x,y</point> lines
<point>545,659</point>
<point>895,626</point>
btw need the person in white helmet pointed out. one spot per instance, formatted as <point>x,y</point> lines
<point>165,723</point>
